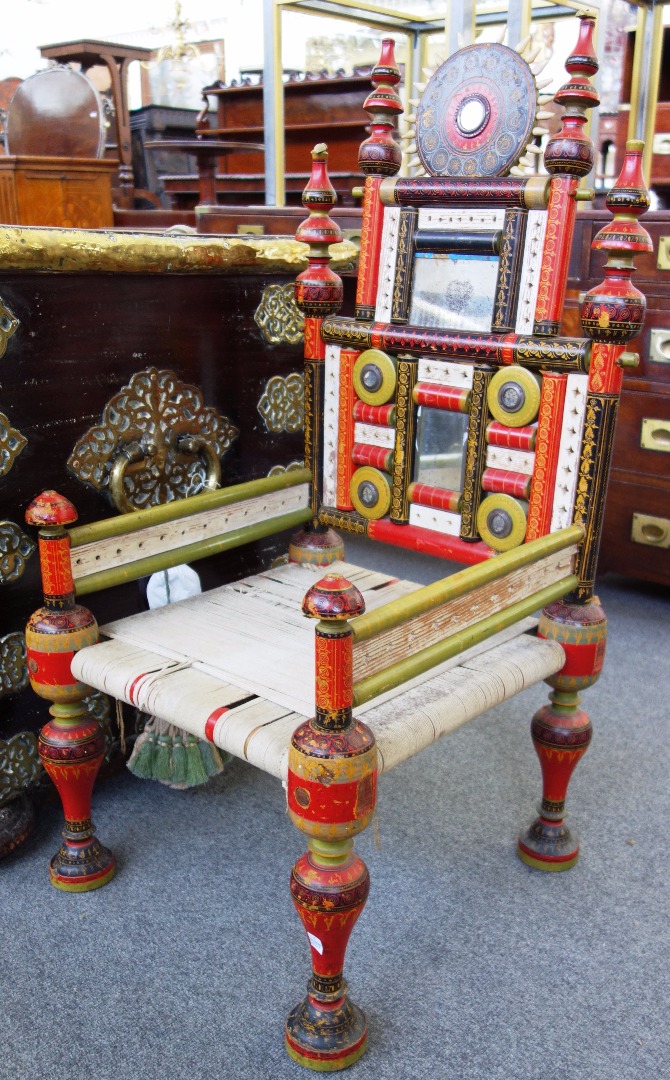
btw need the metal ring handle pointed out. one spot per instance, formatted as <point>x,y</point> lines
<point>134,452</point>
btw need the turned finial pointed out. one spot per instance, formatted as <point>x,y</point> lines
<point>380,155</point>
<point>318,290</point>
<point>613,311</point>
<point>570,150</point>
<point>333,598</point>
<point>49,510</point>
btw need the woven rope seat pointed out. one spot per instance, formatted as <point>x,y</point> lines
<point>236,665</point>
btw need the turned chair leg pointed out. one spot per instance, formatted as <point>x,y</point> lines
<point>71,744</point>
<point>331,797</point>
<point>561,732</point>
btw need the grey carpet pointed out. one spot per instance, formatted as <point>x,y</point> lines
<point>470,966</point>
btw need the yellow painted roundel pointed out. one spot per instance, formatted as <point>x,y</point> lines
<point>514,396</point>
<point>370,492</point>
<point>501,521</point>
<point>374,377</point>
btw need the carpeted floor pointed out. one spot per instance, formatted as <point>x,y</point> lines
<point>470,966</point>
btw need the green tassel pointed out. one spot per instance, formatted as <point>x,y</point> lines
<point>163,760</point>
<point>142,760</point>
<point>213,759</point>
<point>196,772</point>
<point>179,769</point>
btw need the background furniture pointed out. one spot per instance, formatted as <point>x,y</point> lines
<point>152,122</point>
<point>53,172</point>
<point>116,58</point>
<point>330,104</point>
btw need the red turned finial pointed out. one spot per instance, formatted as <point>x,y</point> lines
<point>380,154</point>
<point>570,151</point>
<point>627,200</point>
<point>334,598</point>
<point>613,312</point>
<point>318,290</point>
<point>318,198</point>
<point>50,509</point>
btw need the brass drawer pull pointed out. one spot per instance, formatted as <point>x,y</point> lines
<point>663,261</point>
<point>652,531</point>
<point>659,346</point>
<point>661,143</point>
<point>655,435</point>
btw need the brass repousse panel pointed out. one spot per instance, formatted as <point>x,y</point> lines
<point>282,403</point>
<point>19,763</point>
<point>12,443</point>
<point>278,317</point>
<point>156,441</point>
<point>13,663</point>
<point>8,325</point>
<point>15,549</point>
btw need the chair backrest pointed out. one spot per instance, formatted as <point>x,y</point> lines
<point>449,415</point>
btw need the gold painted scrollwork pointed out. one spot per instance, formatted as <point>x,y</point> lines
<point>12,443</point>
<point>8,325</point>
<point>15,549</point>
<point>282,404</point>
<point>278,317</point>
<point>13,664</point>
<point>156,441</point>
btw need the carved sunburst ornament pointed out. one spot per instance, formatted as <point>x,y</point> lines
<point>157,441</point>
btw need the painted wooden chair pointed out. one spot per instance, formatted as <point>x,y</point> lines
<point>447,416</point>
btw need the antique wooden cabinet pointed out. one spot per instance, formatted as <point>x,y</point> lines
<point>66,192</point>
<point>636,536</point>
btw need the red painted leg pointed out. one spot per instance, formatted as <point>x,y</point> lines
<point>71,744</point>
<point>72,747</point>
<point>331,797</point>
<point>561,732</point>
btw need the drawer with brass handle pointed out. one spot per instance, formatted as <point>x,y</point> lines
<point>652,531</point>
<point>636,530</point>
<point>642,439</point>
<point>655,435</point>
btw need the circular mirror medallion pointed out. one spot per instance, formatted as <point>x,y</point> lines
<point>501,521</point>
<point>513,396</point>
<point>473,115</point>
<point>476,114</point>
<point>374,377</point>
<point>370,492</point>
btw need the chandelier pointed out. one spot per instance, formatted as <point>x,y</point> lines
<point>179,51</point>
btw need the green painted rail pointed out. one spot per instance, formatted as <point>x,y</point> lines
<point>423,661</point>
<point>449,588</point>
<point>107,579</point>
<point>180,508</point>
